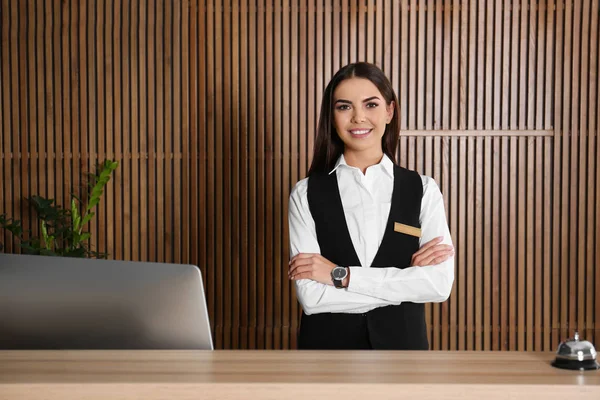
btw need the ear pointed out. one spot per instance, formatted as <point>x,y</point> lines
<point>390,112</point>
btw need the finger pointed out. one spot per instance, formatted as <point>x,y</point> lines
<point>302,269</point>
<point>304,275</point>
<point>300,263</point>
<point>434,249</point>
<point>302,256</point>
<point>429,244</point>
<point>431,254</point>
<point>434,259</point>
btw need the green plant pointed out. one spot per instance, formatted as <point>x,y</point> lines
<point>62,229</point>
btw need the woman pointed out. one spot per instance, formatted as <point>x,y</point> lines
<point>368,239</point>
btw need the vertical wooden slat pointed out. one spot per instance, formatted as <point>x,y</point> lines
<point>505,237</point>
<point>244,136</point>
<point>469,179</point>
<point>448,309</point>
<point>277,132</point>
<point>436,22</point>
<point>177,133</point>
<point>575,244</point>
<point>32,118</point>
<point>138,85</point>
<point>311,111</point>
<point>199,133</point>
<point>128,237</point>
<point>496,267</point>
<point>93,117</point>
<point>583,211</point>
<point>109,116</point>
<point>117,181</point>
<point>353,29</point>
<point>290,147</point>
<point>55,87</point>
<point>234,260</point>
<point>207,154</point>
<point>384,18</point>
<point>344,27</point>
<point>83,103</point>
<point>101,131</point>
<point>370,31</point>
<point>21,163</point>
<point>539,160</point>
<point>260,146</point>
<point>403,67</point>
<point>436,14</point>
<point>477,251</point>
<point>412,66</point>
<point>158,161</point>
<point>7,207</point>
<point>567,263</point>
<point>592,200</point>
<point>486,259</point>
<point>223,176</point>
<point>549,112</point>
<point>302,125</point>
<point>328,46</point>
<point>337,28</point>
<point>218,163</point>
<point>148,148</point>
<point>420,38</point>
<point>361,15</point>
<point>530,245</point>
<point>557,233</point>
<point>252,168</point>
<point>230,164</point>
<point>187,144</point>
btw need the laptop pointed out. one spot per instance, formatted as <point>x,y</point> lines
<point>74,303</point>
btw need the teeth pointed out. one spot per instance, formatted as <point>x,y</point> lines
<point>362,132</point>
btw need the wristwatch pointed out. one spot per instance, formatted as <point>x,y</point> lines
<point>338,274</point>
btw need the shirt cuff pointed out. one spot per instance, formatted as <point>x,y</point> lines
<point>358,281</point>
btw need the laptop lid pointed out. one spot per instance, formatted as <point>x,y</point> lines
<point>74,303</point>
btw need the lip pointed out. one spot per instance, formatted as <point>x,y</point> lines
<point>360,133</point>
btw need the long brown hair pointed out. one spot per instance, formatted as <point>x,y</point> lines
<point>328,145</point>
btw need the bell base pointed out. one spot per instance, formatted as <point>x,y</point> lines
<point>576,365</point>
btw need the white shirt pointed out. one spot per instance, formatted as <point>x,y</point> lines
<point>366,200</point>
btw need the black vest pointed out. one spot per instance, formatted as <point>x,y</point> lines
<point>400,327</point>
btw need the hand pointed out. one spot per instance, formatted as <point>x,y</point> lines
<point>311,266</point>
<point>432,253</point>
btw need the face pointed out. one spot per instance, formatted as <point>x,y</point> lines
<point>360,115</point>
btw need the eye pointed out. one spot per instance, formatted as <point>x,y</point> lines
<point>372,104</point>
<point>342,107</point>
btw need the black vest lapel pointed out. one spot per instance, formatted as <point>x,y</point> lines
<point>326,207</point>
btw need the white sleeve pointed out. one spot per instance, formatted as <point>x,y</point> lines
<point>316,297</point>
<point>416,284</point>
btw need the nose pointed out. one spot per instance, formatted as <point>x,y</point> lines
<point>358,116</point>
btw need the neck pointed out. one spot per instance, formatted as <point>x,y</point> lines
<point>362,160</point>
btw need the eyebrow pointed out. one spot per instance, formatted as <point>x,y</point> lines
<point>364,101</point>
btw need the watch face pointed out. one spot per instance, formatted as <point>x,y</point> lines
<point>339,273</point>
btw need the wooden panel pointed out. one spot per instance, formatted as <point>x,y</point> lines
<point>211,108</point>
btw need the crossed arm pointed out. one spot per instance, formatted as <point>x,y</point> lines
<point>429,277</point>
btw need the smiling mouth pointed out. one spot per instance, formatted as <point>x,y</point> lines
<point>359,133</point>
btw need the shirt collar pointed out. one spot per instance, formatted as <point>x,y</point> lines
<point>386,164</point>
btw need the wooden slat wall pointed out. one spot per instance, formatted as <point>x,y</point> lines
<point>211,108</point>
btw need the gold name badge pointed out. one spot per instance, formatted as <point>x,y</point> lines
<point>407,229</point>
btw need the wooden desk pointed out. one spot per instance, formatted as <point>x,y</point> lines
<point>289,375</point>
